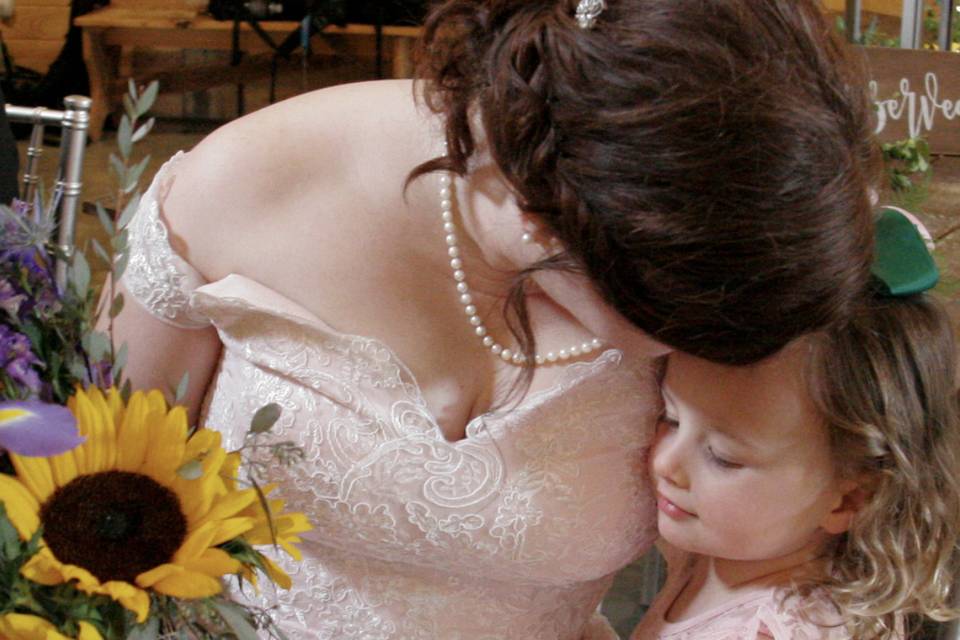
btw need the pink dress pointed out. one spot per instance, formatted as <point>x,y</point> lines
<point>755,614</point>
<point>513,532</point>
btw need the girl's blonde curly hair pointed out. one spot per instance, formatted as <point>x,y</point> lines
<point>885,384</point>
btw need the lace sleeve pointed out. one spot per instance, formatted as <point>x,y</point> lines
<point>156,277</point>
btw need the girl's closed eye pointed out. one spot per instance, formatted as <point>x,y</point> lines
<point>721,460</point>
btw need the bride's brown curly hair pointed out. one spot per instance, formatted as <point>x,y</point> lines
<point>886,387</point>
<point>705,162</point>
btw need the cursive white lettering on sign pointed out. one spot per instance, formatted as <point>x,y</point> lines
<point>920,109</point>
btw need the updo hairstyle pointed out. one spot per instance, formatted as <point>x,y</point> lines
<point>705,162</point>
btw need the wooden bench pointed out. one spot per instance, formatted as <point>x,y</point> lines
<point>110,35</point>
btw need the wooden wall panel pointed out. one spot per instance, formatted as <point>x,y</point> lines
<point>883,7</point>
<point>916,93</point>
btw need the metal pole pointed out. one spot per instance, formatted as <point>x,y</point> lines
<point>911,24</point>
<point>852,21</point>
<point>945,31</point>
<point>73,141</point>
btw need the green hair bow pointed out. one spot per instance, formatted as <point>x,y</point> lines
<point>902,263</point>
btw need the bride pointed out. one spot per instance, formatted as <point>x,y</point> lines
<point>458,289</point>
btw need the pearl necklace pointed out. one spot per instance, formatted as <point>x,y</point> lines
<point>456,264</point>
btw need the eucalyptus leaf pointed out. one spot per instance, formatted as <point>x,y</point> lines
<point>120,359</point>
<point>131,89</point>
<point>119,241</point>
<point>120,265</point>
<point>181,392</point>
<point>126,390</point>
<point>190,470</point>
<point>149,96</point>
<point>265,417</point>
<point>102,253</point>
<point>119,168</point>
<point>80,274</point>
<point>128,210</point>
<point>128,107</point>
<point>9,538</point>
<point>142,130</point>
<point>236,620</point>
<point>150,630</point>
<point>116,306</point>
<point>124,136</point>
<point>105,220</point>
<point>97,345</point>
<point>133,176</point>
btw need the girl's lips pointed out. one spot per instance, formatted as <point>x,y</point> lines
<point>671,509</point>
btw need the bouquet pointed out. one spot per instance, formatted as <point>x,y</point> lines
<point>117,518</point>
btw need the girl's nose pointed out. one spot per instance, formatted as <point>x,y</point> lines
<point>667,460</point>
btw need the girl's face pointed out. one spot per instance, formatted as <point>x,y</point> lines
<point>741,462</point>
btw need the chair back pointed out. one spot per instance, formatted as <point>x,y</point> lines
<point>73,120</point>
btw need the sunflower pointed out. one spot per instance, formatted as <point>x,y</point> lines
<point>22,626</point>
<point>274,527</point>
<point>141,506</point>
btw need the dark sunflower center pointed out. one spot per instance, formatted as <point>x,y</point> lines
<point>114,524</point>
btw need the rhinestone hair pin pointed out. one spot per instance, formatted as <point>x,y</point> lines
<point>588,11</point>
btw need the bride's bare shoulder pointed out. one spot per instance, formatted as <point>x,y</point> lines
<point>316,147</point>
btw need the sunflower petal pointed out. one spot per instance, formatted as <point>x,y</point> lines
<point>132,435</point>
<point>213,562</point>
<point>128,595</point>
<point>20,505</point>
<point>176,581</point>
<point>22,626</point>
<point>276,574</point>
<point>35,474</point>
<point>88,632</point>
<point>167,443</point>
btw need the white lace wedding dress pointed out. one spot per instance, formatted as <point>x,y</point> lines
<point>513,532</point>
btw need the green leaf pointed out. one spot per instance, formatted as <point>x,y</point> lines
<point>190,470</point>
<point>119,241</point>
<point>142,130</point>
<point>9,539</point>
<point>105,220</point>
<point>121,265</point>
<point>127,389</point>
<point>265,505</point>
<point>265,417</point>
<point>116,306</point>
<point>132,89</point>
<point>148,98</point>
<point>133,177</point>
<point>128,107</point>
<point>124,137</point>
<point>119,169</point>
<point>236,619</point>
<point>181,392</point>
<point>102,253</point>
<point>96,344</point>
<point>128,210</point>
<point>120,359</point>
<point>150,630</point>
<point>80,274</point>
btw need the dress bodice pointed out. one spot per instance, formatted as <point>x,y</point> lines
<point>764,612</point>
<point>514,531</point>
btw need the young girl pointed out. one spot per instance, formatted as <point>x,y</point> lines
<point>815,495</point>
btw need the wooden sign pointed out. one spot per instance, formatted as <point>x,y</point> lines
<point>916,93</point>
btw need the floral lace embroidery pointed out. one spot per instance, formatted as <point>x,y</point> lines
<point>513,532</point>
<point>159,279</point>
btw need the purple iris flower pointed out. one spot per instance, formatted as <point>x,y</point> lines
<point>11,299</point>
<point>17,360</point>
<point>32,428</point>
